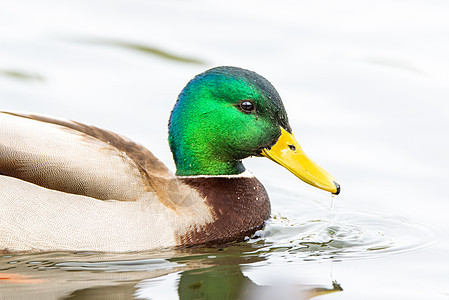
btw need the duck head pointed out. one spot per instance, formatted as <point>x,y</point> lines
<point>227,114</point>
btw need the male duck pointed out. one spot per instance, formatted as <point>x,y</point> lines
<point>68,186</point>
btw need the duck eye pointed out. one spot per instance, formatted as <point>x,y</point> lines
<point>246,106</point>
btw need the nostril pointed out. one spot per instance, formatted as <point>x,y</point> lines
<point>292,147</point>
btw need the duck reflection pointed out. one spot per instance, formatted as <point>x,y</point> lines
<point>221,277</point>
<point>228,282</point>
<point>189,274</point>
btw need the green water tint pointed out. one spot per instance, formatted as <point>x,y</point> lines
<point>206,273</point>
<point>228,282</point>
<point>145,49</point>
<point>22,75</point>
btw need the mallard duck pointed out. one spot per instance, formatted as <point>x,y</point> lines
<point>69,186</point>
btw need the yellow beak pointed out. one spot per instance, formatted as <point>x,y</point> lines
<point>289,154</point>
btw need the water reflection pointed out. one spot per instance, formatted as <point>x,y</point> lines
<point>225,282</point>
<point>22,75</point>
<point>144,49</point>
<point>203,273</point>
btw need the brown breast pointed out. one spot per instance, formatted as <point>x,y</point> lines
<point>240,206</point>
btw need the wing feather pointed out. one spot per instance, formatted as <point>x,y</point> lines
<point>76,158</point>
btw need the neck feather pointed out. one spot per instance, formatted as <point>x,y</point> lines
<point>190,164</point>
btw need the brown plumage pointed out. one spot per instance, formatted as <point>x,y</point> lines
<point>240,206</point>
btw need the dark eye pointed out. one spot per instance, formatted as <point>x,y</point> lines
<point>246,106</point>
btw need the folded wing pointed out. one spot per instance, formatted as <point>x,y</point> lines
<point>76,158</point>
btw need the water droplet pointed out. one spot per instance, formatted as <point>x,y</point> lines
<point>332,201</point>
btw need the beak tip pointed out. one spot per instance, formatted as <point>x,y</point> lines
<point>338,188</point>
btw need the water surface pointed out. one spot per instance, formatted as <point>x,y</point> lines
<point>365,86</point>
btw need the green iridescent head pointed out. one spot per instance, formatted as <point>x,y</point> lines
<point>221,117</point>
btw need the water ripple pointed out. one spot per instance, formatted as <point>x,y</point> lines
<point>343,235</point>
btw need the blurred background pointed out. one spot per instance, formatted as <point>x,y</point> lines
<point>366,88</point>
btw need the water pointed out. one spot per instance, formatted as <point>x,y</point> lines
<point>365,86</point>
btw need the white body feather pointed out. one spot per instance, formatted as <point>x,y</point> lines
<point>33,217</point>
